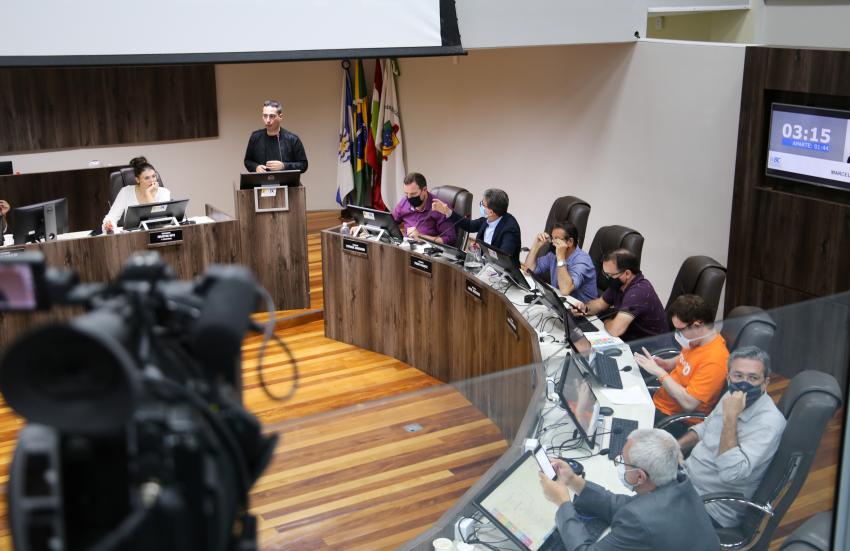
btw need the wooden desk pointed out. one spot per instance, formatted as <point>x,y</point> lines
<point>100,259</point>
<point>430,321</point>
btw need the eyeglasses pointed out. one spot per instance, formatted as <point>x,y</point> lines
<point>481,204</point>
<point>619,461</point>
<point>751,378</point>
<point>612,276</point>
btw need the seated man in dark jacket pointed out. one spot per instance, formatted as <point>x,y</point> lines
<point>665,515</point>
<point>496,226</point>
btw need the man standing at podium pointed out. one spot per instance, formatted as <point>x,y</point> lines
<point>274,148</point>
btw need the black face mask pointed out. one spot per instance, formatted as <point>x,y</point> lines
<point>415,201</point>
<point>753,392</point>
<point>615,283</point>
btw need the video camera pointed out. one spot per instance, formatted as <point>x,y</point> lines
<point>136,438</point>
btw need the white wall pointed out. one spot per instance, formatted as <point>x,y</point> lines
<point>824,24</point>
<point>500,23</point>
<point>645,132</point>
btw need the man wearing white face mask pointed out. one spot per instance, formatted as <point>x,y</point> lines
<point>693,380</point>
<point>665,515</point>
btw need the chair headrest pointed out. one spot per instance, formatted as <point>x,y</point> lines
<point>807,383</point>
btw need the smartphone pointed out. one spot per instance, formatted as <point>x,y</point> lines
<point>544,463</point>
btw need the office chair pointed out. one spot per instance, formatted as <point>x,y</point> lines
<point>607,239</point>
<point>812,535</point>
<point>699,275</point>
<point>124,177</point>
<point>572,209</point>
<point>809,402</point>
<point>460,200</point>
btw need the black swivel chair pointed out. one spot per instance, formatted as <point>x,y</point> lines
<point>809,402</point>
<point>607,239</point>
<point>699,275</point>
<point>571,209</point>
<point>812,535</point>
<point>460,201</point>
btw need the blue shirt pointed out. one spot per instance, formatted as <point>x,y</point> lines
<point>491,229</point>
<point>580,268</point>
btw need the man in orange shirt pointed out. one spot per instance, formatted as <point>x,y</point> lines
<point>693,380</point>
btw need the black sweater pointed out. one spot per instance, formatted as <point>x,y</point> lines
<point>263,148</point>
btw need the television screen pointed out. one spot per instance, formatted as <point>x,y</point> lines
<point>810,144</point>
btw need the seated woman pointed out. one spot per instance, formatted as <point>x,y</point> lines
<point>4,209</point>
<point>146,190</point>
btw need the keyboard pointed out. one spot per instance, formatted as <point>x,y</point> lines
<point>620,431</point>
<point>607,371</point>
<point>585,325</point>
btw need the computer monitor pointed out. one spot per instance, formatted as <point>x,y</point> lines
<point>250,180</point>
<point>376,220</point>
<point>551,299</point>
<point>514,502</point>
<point>578,399</point>
<point>168,212</point>
<point>449,251</point>
<point>581,347</point>
<point>6,168</point>
<point>505,264</point>
<point>40,221</point>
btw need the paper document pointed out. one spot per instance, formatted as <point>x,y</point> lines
<point>629,396</point>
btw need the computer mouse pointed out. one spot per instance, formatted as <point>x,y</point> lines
<point>606,411</point>
<point>613,352</point>
<point>574,465</point>
<point>626,369</point>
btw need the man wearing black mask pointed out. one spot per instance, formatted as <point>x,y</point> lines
<point>733,447</point>
<point>639,312</point>
<point>416,217</point>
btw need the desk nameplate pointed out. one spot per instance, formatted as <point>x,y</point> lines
<point>512,325</point>
<point>11,251</point>
<point>421,266</point>
<point>355,247</point>
<point>475,291</point>
<point>163,238</point>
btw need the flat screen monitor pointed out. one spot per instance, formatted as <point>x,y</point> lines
<point>578,399</point>
<point>378,219</point>
<point>250,180</point>
<point>810,145</point>
<point>504,263</point>
<point>136,214</point>
<point>6,168</point>
<point>551,299</point>
<point>449,251</point>
<point>40,222</point>
<point>515,503</point>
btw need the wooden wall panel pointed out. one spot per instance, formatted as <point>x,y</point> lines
<point>53,108</point>
<point>787,240</point>
<point>87,191</point>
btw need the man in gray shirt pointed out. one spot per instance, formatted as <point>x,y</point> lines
<point>733,447</point>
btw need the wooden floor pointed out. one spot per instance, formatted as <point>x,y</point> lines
<point>346,475</point>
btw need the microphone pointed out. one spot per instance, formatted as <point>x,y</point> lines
<point>279,150</point>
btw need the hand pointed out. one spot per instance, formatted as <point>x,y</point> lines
<point>441,207</point>
<point>108,227</point>
<point>649,363</point>
<point>579,308</point>
<point>733,404</point>
<point>150,193</point>
<point>560,249</point>
<point>555,490</point>
<point>274,165</point>
<point>539,239</point>
<point>4,207</point>
<point>261,168</point>
<point>413,233</point>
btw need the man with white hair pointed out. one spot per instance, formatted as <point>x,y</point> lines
<point>665,515</point>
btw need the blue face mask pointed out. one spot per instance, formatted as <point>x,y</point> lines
<point>753,392</point>
<point>483,210</point>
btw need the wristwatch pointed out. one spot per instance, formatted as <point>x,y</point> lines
<point>562,263</point>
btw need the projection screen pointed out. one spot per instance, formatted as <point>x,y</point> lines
<point>107,32</point>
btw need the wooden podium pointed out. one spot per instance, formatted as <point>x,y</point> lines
<point>273,236</point>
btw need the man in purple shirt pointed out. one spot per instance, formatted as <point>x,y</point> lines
<point>639,312</point>
<point>569,268</point>
<point>415,217</point>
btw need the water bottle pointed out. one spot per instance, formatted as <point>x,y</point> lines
<point>344,230</point>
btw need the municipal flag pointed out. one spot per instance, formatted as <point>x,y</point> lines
<point>392,144</point>
<point>344,170</point>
